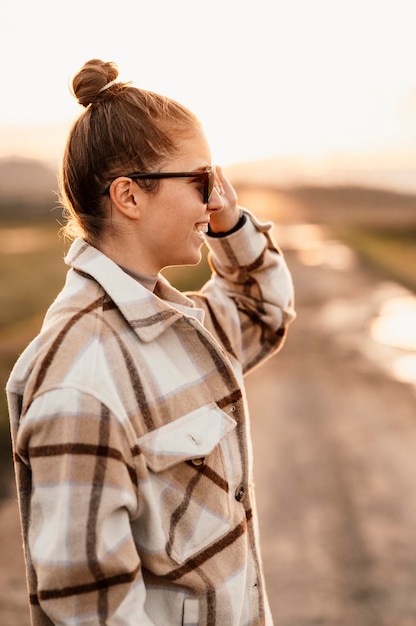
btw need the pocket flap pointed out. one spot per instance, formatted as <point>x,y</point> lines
<point>191,436</point>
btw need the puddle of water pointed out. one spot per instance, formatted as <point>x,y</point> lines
<point>389,312</point>
<point>395,326</point>
<point>404,368</point>
<point>382,326</point>
<point>313,246</point>
<point>331,254</point>
<point>396,323</point>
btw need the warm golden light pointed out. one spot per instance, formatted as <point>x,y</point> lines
<point>395,327</point>
<point>314,80</point>
<point>404,368</point>
<point>396,324</point>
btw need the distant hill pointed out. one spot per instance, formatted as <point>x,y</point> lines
<point>292,172</point>
<point>28,190</point>
<point>354,197</point>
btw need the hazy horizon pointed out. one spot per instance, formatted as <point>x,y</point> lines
<point>312,83</point>
<point>390,172</point>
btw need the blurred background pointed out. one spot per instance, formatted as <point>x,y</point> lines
<point>311,109</point>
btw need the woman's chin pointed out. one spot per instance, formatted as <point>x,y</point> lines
<point>191,259</point>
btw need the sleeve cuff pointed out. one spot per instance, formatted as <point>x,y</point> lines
<point>239,224</point>
<point>243,246</point>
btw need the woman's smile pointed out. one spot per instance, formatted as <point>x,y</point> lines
<point>201,227</point>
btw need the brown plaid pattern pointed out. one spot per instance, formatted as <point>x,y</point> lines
<point>131,441</point>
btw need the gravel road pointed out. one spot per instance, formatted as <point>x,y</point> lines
<point>335,464</point>
<point>335,440</point>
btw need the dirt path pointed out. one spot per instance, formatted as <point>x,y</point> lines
<point>335,439</point>
<point>335,467</point>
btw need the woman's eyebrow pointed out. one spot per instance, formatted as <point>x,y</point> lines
<point>201,169</point>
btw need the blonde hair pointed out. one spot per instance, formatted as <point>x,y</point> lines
<point>123,129</point>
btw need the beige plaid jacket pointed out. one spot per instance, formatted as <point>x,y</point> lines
<point>131,441</point>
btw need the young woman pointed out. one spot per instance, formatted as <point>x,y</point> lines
<point>129,423</point>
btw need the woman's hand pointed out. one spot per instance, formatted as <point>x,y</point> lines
<point>223,220</point>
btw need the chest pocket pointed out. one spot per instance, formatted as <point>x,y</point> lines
<point>186,503</point>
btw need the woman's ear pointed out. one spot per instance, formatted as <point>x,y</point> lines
<point>124,194</point>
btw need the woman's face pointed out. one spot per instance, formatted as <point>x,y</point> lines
<point>174,217</point>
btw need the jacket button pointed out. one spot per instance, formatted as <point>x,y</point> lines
<point>198,461</point>
<point>240,493</point>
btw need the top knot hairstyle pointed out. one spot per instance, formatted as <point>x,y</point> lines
<point>92,79</point>
<point>122,129</point>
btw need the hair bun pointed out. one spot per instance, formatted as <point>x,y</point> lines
<point>90,80</point>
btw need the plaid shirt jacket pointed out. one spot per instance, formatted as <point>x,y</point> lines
<point>131,441</point>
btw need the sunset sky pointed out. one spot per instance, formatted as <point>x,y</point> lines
<point>313,80</point>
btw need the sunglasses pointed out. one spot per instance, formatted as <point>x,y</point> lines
<point>206,177</point>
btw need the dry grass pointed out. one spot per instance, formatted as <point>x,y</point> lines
<point>31,274</point>
<point>392,252</point>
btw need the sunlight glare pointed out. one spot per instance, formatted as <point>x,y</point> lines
<point>268,87</point>
<point>396,324</point>
<point>404,368</point>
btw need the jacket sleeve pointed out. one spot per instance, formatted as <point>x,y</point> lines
<point>82,561</point>
<point>249,301</point>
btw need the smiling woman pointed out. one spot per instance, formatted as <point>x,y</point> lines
<point>132,386</point>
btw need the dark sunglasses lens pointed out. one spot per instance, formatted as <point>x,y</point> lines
<point>209,184</point>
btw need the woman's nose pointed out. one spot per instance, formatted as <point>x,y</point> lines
<point>216,201</point>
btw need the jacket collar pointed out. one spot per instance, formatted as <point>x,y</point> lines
<point>148,313</point>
